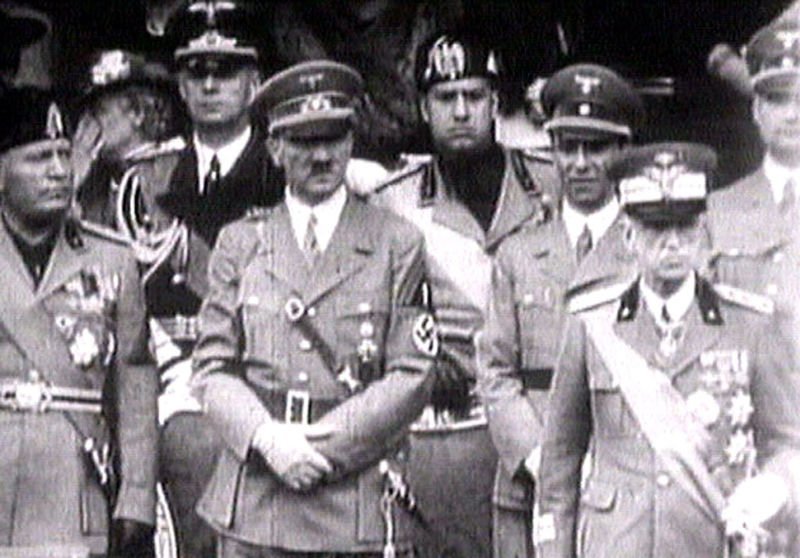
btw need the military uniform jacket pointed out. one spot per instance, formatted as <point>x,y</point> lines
<point>360,297</point>
<point>734,372</point>
<point>83,327</point>
<point>535,272</point>
<point>458,251</point>
<point>755,245</point>
<point>251,182</point>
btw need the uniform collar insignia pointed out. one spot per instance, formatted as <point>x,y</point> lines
<point>708,301</point>
<point>629,303</point>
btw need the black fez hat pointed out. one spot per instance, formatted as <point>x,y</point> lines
<point>28,115</point>
<point>662,183</point>
<point>454,56</point>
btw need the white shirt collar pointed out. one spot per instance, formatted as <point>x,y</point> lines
<point>677,305</point>
<point>228,154</point>
<point>327,213</point>
<point>598,221</point>
<point>778,175</point>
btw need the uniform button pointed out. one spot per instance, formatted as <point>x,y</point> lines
<point>304,345</point>
<point>772,289</point>
<point>302,377</point>
<point>778,257</point>
<point>311,312</point>
<point>663,480</point>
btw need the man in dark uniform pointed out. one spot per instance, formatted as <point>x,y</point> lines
<point>466,198</point>
<point>683,393</point>
<point>224,171</point>
<point>21,28</point>
<point>77,378</point>
<point>315,349</point>
<point>539,269</point>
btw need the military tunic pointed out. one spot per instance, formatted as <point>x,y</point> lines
<point>82,327</point>
<point>736,376</point>
<point>360,299</point>
<point>452,472</point>
<point>535,274</point>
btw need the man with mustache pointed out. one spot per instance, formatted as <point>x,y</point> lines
<point>593,114</point>
<point>470,195</point>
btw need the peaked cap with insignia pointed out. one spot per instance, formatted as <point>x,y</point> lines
<point>773,56</point>
<point>311,99</point>
<point>452,57</point>
<point>29,115</point>
<point>591,98</point>
<point>214,27</point>
<point>663,182</point>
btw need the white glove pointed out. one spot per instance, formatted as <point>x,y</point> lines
<point>287,450</point>
<point>755,501</point>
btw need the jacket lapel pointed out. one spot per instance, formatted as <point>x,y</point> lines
<point>347,252</point>
<point>17,279</point>
<point>286,260</point>
<point>64,263</point>
<point>697,338</point>
<point>514,207</point>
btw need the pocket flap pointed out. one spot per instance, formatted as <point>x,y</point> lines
<point>599,496</point>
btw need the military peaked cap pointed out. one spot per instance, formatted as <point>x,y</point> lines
<point>588,97</point>
<point>214,27</point>
<point>663,182</point>
<point>314,98</point>
<point>773,56</point>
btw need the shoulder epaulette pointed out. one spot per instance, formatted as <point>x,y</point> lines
<point>155,150</point>
<point>747,299</point>
<point>257,212</point>
<point>538,154</point>
<point>596,297</point>
<point>105,233</point>
<point>413,164</point>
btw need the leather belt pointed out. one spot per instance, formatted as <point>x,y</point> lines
<point>180,327</point>
<point>296,406</point>
<point>39,397</point>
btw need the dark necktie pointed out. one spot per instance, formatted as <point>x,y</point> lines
<point>584,244</point>
<point>311,247</point>
<point>211,180</point>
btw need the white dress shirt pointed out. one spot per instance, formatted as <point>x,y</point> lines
<point>326,212</point>
<point>227,155</point>
<point>598,221</point>
<point>778,175</point>
<point>677,305</point>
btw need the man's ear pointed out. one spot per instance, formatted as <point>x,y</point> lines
<point>629,237</point>
<point>182,86</point>
<point>424,109</point>
<point>755,109</point>
<point>275,149</point>
<point>253,81</point>
<point>495,104</point>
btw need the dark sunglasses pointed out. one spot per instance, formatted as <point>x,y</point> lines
<point>200,68</point>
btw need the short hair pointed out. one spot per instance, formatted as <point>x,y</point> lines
<point>158,111</point>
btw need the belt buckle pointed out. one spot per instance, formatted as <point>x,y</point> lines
<point>298,407</point>
<point>32,397</point>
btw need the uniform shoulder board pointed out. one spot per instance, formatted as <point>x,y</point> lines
<point>596,297</point>
<point>155,150</point>
<point>413,164</point>
<point>538,154</point>
<point>256,213</point>
<point>747,299</point>
<point>103,232</point>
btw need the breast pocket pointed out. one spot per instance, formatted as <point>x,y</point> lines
<point>609,411</point>
<point>362,322</point>
<point>540,319</point>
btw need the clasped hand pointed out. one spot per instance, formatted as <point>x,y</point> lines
<point>287,450</point>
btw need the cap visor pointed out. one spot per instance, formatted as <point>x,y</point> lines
<point>780,79</point>
<point>660,214</point>
<point>592,126</point>
<point>239,52</point>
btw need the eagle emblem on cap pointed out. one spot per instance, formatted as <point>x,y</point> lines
<point>112,66</point>
<point>447,59</point>
<point>54,128</point>
<point>665,170</point>
<point>787,38</point>
<point>316,103</point>
<point>211,9</point>
<point>587,83</point>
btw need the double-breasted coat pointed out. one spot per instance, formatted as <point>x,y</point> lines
<point>736,376</point>
<point>82,327</point>
<point>454,472</point>
<point>535,273</point>
<point>361,298</point>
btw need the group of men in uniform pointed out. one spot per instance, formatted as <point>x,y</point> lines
<point>491,353</point>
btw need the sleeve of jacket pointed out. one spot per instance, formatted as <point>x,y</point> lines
<point>217,381</point>
<point>776,397</point>
<point>565,440</point>
<point>367,425</point>
<point>136,383</point>
<point>516,418</point>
